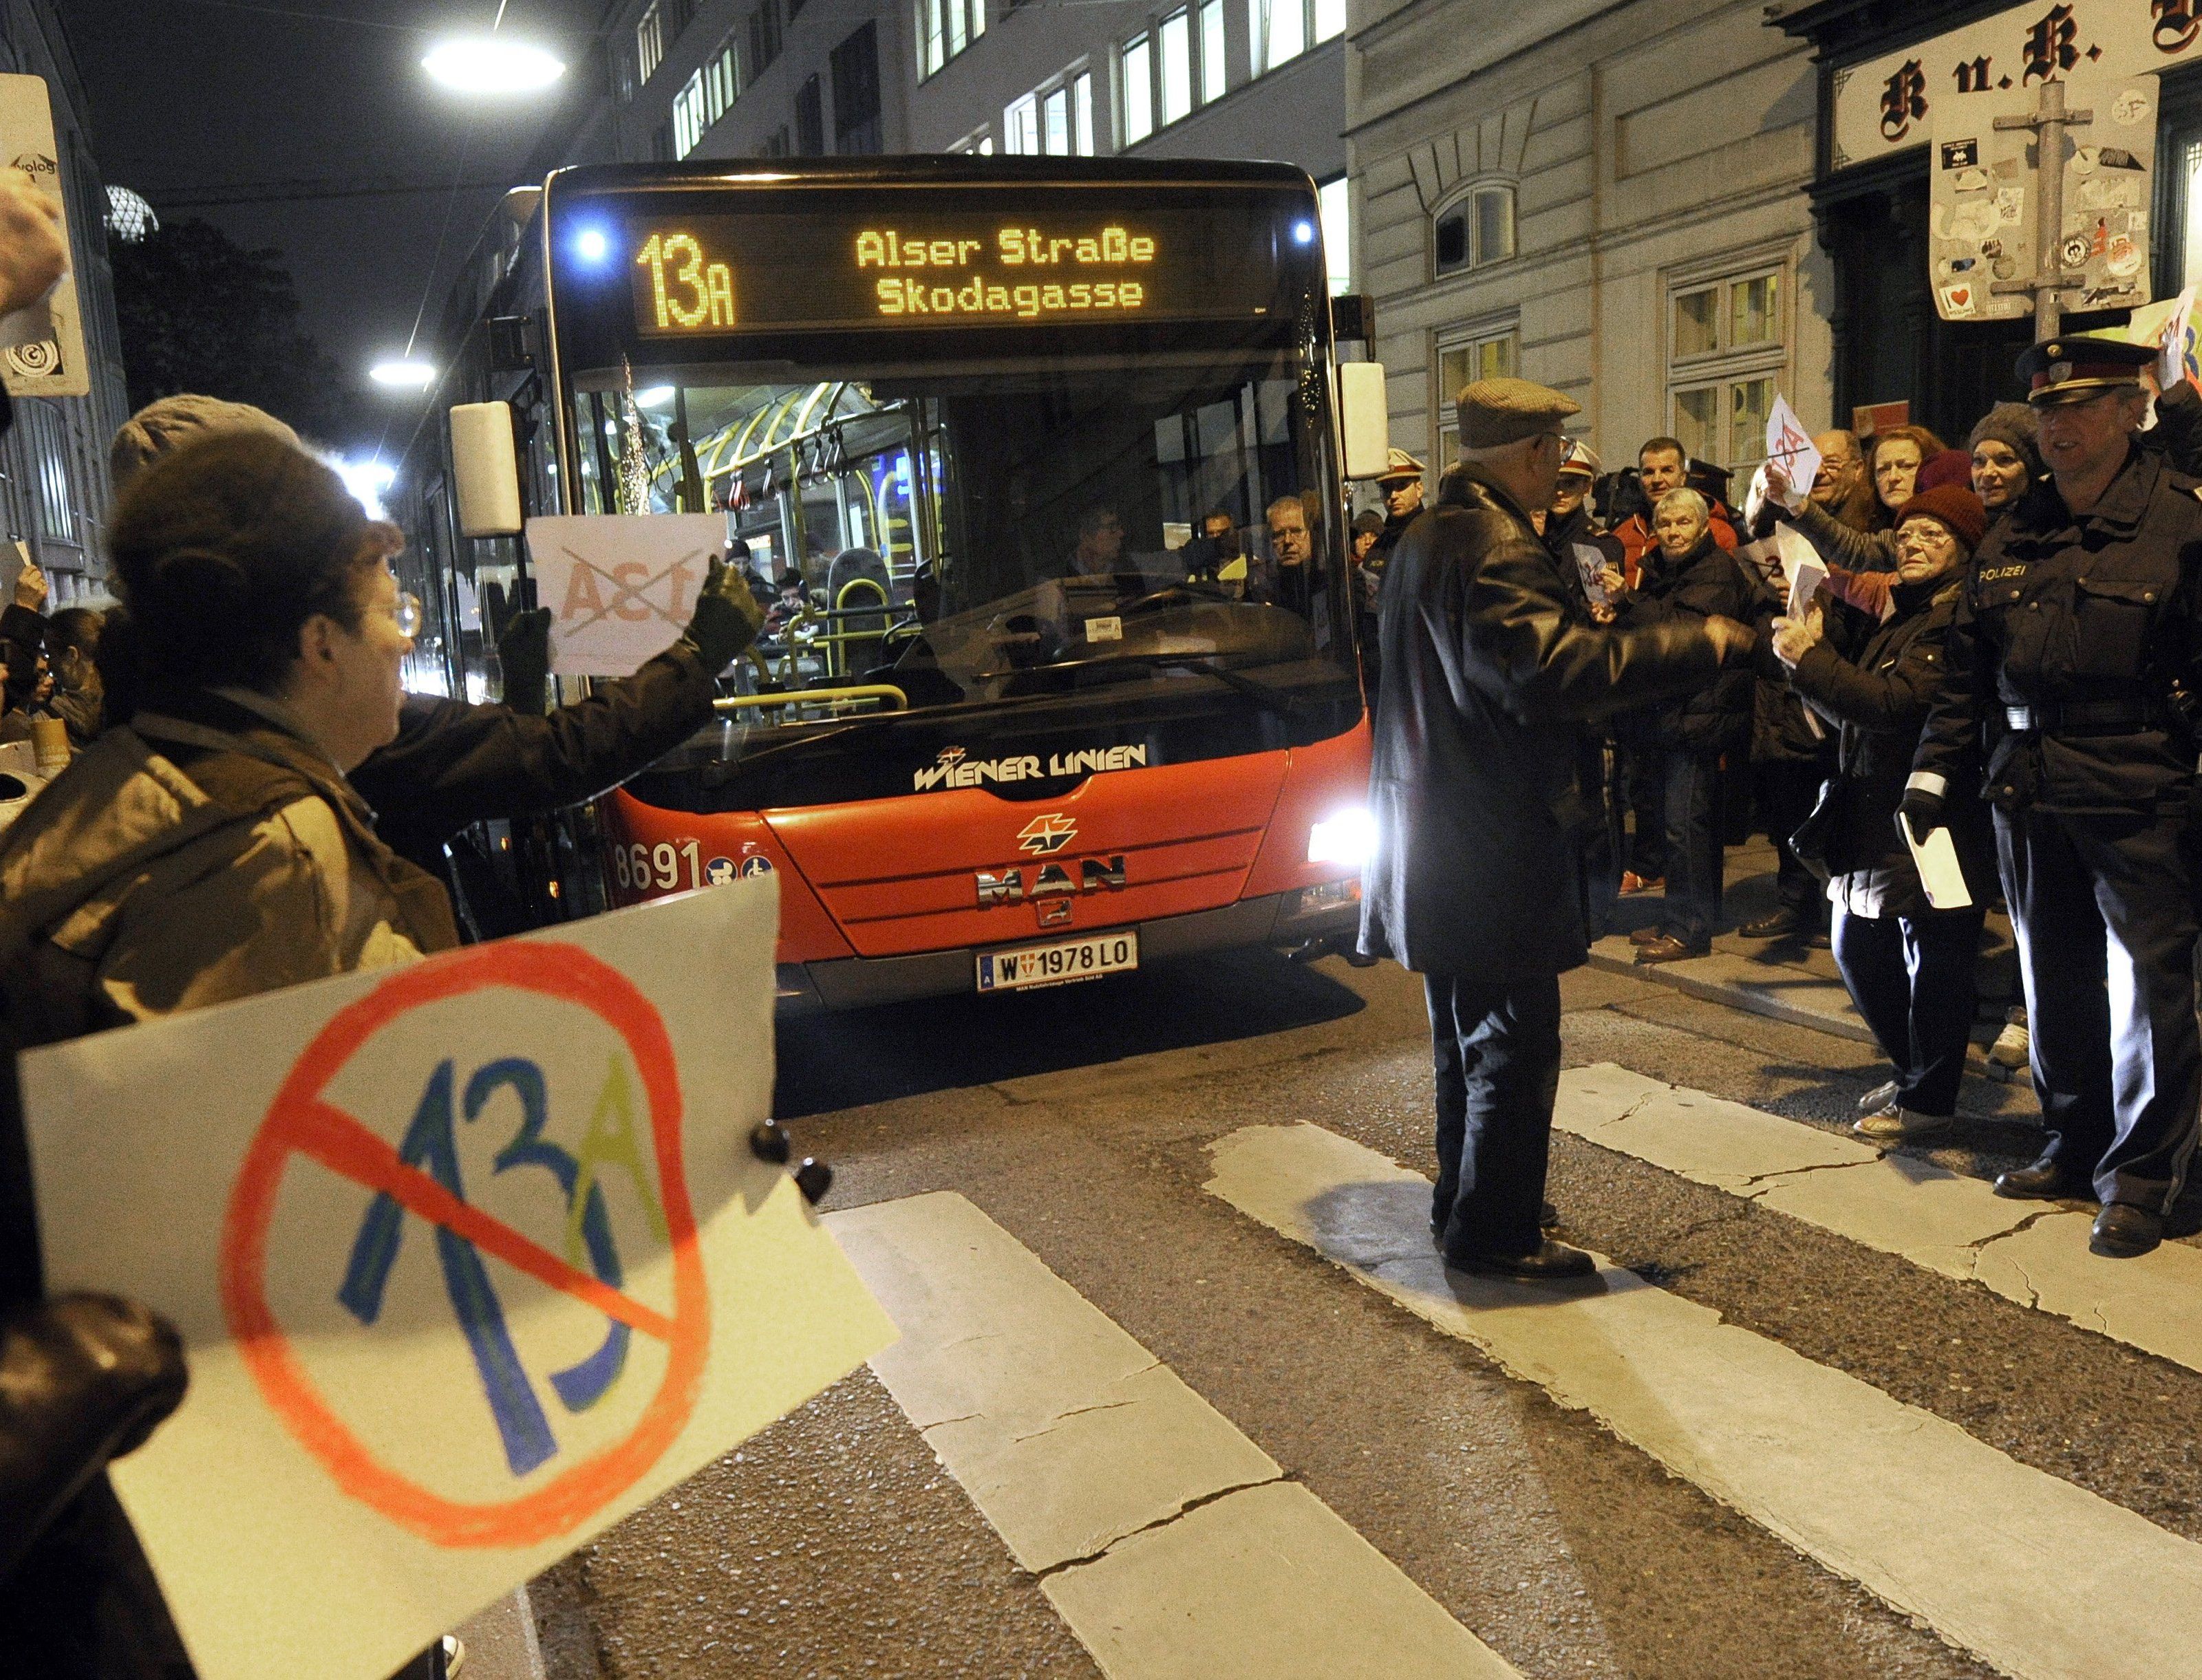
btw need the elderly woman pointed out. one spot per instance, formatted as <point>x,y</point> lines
<point>1909,966</point>
<point>1689,576</point>
<point>207,849</point>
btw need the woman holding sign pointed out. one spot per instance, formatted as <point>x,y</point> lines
<point>1909,964</point>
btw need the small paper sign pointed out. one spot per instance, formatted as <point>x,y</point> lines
<point>620,587</point>
<point>1941,876</point>
<point>1790,445</point>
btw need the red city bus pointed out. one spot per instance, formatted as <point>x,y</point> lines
<point>1042,699</point>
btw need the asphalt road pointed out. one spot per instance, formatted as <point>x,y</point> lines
<point>1079,1121</point>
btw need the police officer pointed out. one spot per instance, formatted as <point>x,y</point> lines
<point>2076,631</point>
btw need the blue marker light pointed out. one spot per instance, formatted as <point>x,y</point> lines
<point>1303,232</point>
<point>591,245</point>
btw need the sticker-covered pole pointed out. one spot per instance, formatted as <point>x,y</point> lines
<point>2049,176</point>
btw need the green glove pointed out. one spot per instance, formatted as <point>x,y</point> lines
<point>726,620</point>
<point>523,654</point>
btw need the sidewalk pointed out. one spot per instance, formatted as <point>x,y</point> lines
<point>1789,979</point>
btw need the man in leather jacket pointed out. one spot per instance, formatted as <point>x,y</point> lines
<point>1492,664</point>
<point>2076,631</point>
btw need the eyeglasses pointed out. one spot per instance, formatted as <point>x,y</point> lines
<point>407,614</point>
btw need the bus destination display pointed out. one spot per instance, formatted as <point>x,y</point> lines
<point>775,272</point>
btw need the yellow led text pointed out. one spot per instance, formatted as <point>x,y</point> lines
<point>968,294</point>
<point>676,266</point>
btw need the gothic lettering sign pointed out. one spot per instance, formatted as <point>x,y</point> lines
<point>1902,98</point>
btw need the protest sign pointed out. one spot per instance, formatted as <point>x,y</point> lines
<point>2171,325</point>
<point>471,1258</point>
<point>620,587</point>
<point>1788,443</point>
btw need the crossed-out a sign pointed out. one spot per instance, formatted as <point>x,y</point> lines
<point>418,1180</point>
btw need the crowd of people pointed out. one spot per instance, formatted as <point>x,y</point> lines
<point>2006,650</point>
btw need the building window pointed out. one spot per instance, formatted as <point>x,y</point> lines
<point>688,124</point>
<point>1211,50</point>
<point>1176,40</point>
<point>1281,30</point>
<point>1056,120</point>
<point>979,142</point>
<point>1337,234</point>
<point>945,28</point>
<point>1475,230</point>
<point>648,44</point>
<point>810,118</point>
<point>1490,353</point>
<point>855,67</point>
<point>1138,67</point>
<point>1727,351</point>
<point>764,38</point>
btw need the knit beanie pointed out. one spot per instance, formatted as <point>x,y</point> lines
<point>1948,467</point>
<point>1956,507</point>
<point>2012,424</point>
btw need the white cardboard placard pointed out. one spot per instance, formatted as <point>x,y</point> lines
<point>471,1258</point>
<point>620,587</point>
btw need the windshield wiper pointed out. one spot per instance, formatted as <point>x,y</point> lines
<point>1265,695</point>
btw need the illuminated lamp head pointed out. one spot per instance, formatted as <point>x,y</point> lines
<point>1303,232</point>
<point>590,245</point>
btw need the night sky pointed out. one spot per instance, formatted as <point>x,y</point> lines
<point>307,99</point>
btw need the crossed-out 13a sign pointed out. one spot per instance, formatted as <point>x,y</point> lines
<point>619,587</point>
<point>470,1258</point>
<point>1900,99</point>
<point>1983,202</point>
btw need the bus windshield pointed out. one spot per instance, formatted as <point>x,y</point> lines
<point>954,528</point>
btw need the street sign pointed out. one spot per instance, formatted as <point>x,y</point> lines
<point>471,1258</point>
<point>41,347</point>
<point>1985,201</point>
<point>620,587</point>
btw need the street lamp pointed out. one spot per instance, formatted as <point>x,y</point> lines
<point>403,374</point>
<point>492,65</point>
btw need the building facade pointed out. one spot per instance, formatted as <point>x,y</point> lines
<point>1609,199</point>
<point>53,465</point>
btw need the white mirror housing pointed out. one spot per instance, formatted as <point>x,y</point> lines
<point>1364,418</point>
<point>486,470</point>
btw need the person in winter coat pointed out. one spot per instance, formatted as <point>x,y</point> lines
<point>1909,966</point>
<point>212,849</point>
<point>1662,465</point>
<point>455,763</point>
<point>1491,665</point>
<point>1690,578</point>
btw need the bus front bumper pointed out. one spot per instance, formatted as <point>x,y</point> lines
<point>1303,921</point>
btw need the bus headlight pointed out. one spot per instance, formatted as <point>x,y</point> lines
<point>1345,838</point>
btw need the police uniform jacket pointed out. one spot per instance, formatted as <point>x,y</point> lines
<point>1492,665</point>
<point>2088,621</point>
<point>1875,680</point>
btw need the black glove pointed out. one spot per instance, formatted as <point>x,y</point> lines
<point>726,620</point>
<point>523,654</point>
<point>1923,810</point>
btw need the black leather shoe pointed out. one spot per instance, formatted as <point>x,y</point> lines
<point>1668,948</point>
<point>1781,924</point>
<point>2124,1231</point>
<point>1549,1262</point>
<point>1646,936</point>
<point>2045,1180</point>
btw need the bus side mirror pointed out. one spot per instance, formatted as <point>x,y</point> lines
<point>1364,420</point>
<point>486,470</point>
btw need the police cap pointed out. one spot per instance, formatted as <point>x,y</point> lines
<point>1399,466</point>
<point>1493,413</point>
<point>1579,457</point>
<point>2074,368</point>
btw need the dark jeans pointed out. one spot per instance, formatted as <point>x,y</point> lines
<point>1497,1054</point>
<point>1912,977</point>
<point>1693,846</point>
<point>1787,791</point>
<point>2118,1065</point>
<point>1643,792</point>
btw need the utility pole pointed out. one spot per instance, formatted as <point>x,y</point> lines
<point>2049,121</point>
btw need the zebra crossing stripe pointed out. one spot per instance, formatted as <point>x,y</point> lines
<point>1938,1524</point>
<point>1171,1545</point>
<point>2029,1252</point>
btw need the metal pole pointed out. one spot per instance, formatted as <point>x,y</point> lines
<point>2049,176</point>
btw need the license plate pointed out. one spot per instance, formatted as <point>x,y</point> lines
<point>1058,962</point>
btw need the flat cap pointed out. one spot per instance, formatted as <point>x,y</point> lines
<point>1401,465</point>
<point>1496,412</point>
<point>2074,368</point>
<point>1579,457</point>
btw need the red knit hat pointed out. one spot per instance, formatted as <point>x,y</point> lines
<point>1956,508</point>
<point>1950,467</point>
